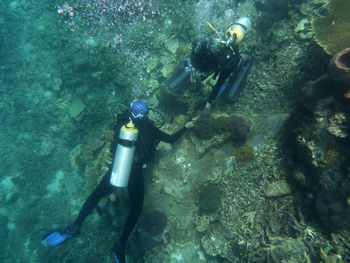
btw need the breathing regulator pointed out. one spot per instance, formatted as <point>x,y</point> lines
<point>235,32</point>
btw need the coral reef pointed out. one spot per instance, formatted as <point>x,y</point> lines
<point>221,193</point>
<point>332,32</point>
<point>319,148</point>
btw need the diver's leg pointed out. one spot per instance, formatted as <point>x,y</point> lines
<point>103,188</point>
<point>58,236</point>
<point>136,196</point>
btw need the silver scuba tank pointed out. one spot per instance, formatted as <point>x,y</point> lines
<point>124,155</point>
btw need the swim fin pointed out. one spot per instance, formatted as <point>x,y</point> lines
<point>237,82</point>
<point>55,238</point>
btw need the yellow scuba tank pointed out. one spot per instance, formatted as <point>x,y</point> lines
<point>236,32</point>
<point>124,155</point>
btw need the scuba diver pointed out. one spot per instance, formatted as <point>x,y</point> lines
<point>132,150</point>
<point>219,58</point>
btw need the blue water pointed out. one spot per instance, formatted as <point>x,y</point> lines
<point>65,66</point>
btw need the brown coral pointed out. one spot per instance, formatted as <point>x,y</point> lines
<point>244,154</point>
<point>208,126</point>
<point>332,32</point>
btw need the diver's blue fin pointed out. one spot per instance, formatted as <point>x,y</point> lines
<point>55,238</point>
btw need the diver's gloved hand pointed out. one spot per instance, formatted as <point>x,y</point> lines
<point>189,124</point>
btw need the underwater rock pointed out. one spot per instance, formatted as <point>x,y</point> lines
<point>168,70</point>
<point>152,84</point>
<point>203,128</point>
<point>169,65</point>
<point>46,147</point>
<point>8,190</point>
<point>209,199</point>
<point>313,91</point>
<point>212,245</point>
<point>97,75</point>
<point>214,241</point>
<point>155,222</point>
<point>76,108</point>
<point>169,101</point>
<point>303,29</point>
<point>332,212</point>
<point>172,45</point>
<point>208,126</point>
<point>240,128</point>
<point>275,122</point>
<point>203,146</point>
<point>57,84</point>
<point>277,188</point>
<point>215,129</point>
<point>151,64</point>
<point>300,177</point>
<point>203,222</point>
<point>91,43</point>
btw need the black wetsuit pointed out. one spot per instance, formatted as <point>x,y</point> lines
<point>229,61</point>
<point>222,60</point>
<point>148,138</point>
